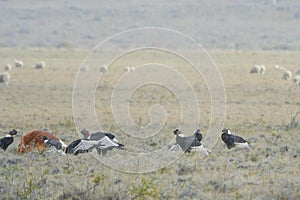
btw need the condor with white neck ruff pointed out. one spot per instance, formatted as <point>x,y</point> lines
<point>83,145</point>
<point>8,139</point>
<point>100,135</point>
<point>233,141</point>
<point>189,143</point>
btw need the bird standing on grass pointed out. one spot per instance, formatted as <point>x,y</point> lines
<point>98,136</point>
<point>233,141</point>
<point>189,143</point>
<point>8,139</point>
<point>83,145</point>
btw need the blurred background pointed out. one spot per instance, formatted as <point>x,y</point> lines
<point>234,24</point>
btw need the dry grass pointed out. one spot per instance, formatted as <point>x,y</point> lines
<point>261,108</point>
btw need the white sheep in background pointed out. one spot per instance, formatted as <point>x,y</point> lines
<point>255,69</point>
<point>297,72</point>
<point>7,67</point>
<point>19,63</point>
<point>104,68</point>
<point>129,69</point>
<point>84,68</point>
<point>258,69</point>
<point>287,75</point>
<point>4,78</point>
<point>277,67</point>
<point>297,80</point>
<point>262,69</point>
<point>40,65</point>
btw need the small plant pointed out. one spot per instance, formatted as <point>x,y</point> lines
<point>8,179</point>
<point>98,179</point>
<point>30,188</point>
<point>237,194</point>
<point>69,124</point>
<point>67,168</point>
<point>165,170</point>
<point>146,190</point>
<point>293,124</point>
<point>254,157</point>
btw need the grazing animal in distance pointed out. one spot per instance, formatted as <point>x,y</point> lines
<point>7,67</point>
<point>262,69</point>
<point>8,139</point>
<point>40,65</point>
<point>189,143</point>
<point>83,145</point>
<point>258,69</point>
<point>232,141</point>
<point>98,136</point>
<point>19,63</point>
<point>34,139</point>
<point>4,78</point>
<point>129,69</point>
<point>84,68</point>
<point>287,75</point>
<point>297,80</point>
<point>104,68</point>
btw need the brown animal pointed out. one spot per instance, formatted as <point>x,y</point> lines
<point>34,139</point>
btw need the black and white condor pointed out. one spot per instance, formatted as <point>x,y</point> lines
<point>109,138</point>
<point>233,141</point>
<point>102,143</point>
<point>189,143</point>
<point>7,139</point>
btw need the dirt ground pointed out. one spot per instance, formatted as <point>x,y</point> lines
<point>262,108</point>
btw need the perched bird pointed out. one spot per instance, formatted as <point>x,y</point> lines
<point>198,135</point>
<point>98,136</point>
<point>8,139</point>
<point>83,145</point>
<point>57,146</point>
<point>233,141</point>
<point>52,143</point>
<point>189,143</point>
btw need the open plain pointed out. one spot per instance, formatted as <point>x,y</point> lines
<point>262,108</point>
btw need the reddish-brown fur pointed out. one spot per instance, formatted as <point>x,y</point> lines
<point>34,139</point>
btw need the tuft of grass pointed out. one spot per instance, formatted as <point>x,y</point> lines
<point>98,179</point>
<point>67,168</point>
<point>165,170</point>
<point>237,194</point>
<point>145,190</point>
<point>31,190</point>
<point>254,157</point>
<point>293,124</point>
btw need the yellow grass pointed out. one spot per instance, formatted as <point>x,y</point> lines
<point>260,108</point>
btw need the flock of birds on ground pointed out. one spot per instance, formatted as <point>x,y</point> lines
<point>104,142</point>
<point>193,142</point>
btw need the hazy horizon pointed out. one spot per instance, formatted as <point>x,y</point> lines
<point>238,24</point>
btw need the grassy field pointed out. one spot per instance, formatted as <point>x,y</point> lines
<point>262,108</point>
